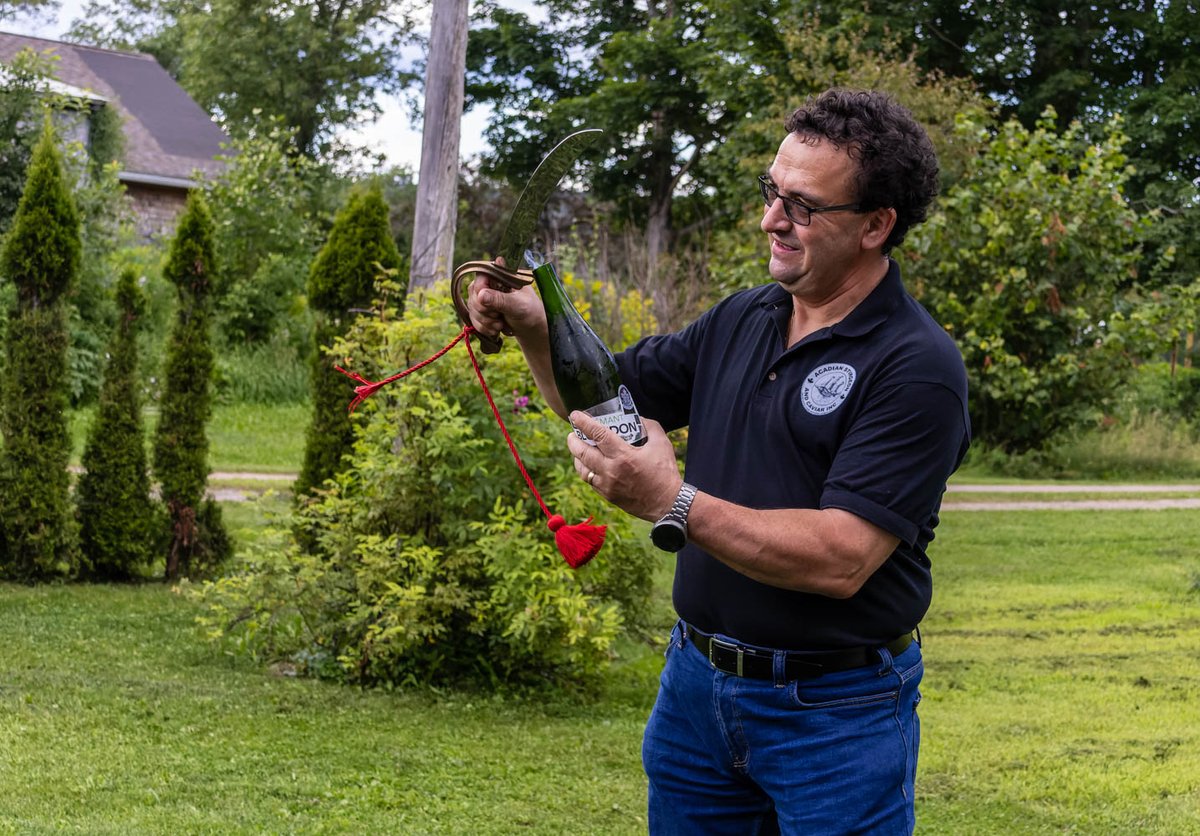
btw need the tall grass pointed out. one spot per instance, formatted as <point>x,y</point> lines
<point>271,373</point>
<point>1144,446</point>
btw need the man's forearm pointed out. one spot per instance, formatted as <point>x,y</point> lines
<point>536,348</point>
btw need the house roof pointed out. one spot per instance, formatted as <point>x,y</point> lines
<point>168,137</point>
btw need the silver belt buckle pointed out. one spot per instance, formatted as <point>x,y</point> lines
<point>737,648</point>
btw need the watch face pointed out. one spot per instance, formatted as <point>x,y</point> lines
<point>669,535</point>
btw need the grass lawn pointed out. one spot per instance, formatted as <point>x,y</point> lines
<point>1062,694</point>
<point>262,438</point>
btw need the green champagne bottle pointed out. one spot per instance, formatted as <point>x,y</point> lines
<point>585,371</point>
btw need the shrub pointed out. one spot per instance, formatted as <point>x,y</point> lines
<point>181,442</point>
<point>120,525</point>
<point>342,281</point>
<point>41,259</point>
<point>431,561</point>
<point>1022,262</point>
<point>264,234</point>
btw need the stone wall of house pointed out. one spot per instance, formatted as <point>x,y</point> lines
<point>155,209</point>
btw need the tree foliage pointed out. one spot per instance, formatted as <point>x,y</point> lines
<point>430,562</point>
<point>21,84</point>
<point>99,197</point>
<point>121,532</point>
<point>1023,262</point>
<point>264,235</point>
<point>315,64</point>
<point>341,285</point>
<point>1089,62</point>
<point>634,71</point>
<point>10,9</point>
<point>199,543</point>
<point>41,259</point>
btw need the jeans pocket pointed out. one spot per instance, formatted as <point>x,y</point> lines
<point>834,692</point>
<point>807,702</point>
<point>675,640</point>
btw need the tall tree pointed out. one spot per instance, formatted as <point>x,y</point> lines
<point>437,190</point>
<point>1086,60</point>
<point>198,538</point>
<point>119,522</point>
<point>632,70</point>
<point>317,64</point>
<point>41,259</point>
<point>10,9</point>
<point>341,285</point>
<point>21,96</point>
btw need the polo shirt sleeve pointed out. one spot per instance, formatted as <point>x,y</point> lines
<point>659,372</point>
<point>892,466</point>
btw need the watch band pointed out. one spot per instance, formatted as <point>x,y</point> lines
<point>682,505</point>
<point>670,532</point>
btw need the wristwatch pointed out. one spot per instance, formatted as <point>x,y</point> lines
<point>670,533</point>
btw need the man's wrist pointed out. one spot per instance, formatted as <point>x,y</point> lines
<point>671,530</point>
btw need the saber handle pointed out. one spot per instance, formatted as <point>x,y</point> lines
<point>512,279</point>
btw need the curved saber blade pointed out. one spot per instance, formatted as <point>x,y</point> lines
<point>523,221</point>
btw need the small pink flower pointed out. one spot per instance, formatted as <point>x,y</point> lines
<point>520,402</point>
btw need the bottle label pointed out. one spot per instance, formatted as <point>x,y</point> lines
<point>620,415</point>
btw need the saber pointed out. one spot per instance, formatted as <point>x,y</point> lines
<point>521,226</point>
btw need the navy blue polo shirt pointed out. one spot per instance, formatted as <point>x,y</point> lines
<point>868,415</point>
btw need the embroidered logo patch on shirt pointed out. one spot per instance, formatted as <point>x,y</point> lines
<point>825,389</point>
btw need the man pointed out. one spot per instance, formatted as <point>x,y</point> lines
<point>825,411</point>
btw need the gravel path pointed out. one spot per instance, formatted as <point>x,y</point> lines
<point>952,503</point>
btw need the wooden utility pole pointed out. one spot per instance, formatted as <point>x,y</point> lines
<point>437,186</point>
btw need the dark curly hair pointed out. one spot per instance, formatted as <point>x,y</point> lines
<point>897,166</point>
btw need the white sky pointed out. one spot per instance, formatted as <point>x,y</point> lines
<point>392,134</point>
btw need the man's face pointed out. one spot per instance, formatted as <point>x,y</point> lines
<point>815,262</point>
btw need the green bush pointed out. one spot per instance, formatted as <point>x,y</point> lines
<point>41,260</point>
<point>1022,262</point>
<point>341,285</point>
<point>180,441</point>
<point>432,563</point>
<point>120,525</point>
<point>1173,392</point>
<point>264,235</point>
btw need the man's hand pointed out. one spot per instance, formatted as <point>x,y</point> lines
<point>643,481</point>
<point>497,309</point>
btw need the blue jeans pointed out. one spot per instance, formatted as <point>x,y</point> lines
<point>832,755</point>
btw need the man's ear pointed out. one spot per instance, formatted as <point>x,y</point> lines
<point>878,228</point>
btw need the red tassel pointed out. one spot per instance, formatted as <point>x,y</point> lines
<point>578,543</point>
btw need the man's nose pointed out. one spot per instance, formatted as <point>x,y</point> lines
<point>774,218</point>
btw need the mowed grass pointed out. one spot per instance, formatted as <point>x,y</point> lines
<point>1062,694</point>
<point>261,438</point>
<point>1062,690</point>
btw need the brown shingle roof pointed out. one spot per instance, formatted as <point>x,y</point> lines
<point>167,135</point>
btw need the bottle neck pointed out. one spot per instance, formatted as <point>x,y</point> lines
<point>554,295</point>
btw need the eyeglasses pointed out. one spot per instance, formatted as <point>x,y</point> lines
<point>797,212</point>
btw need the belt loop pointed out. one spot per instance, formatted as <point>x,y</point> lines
<point>779,668</point>
<point>885,661</point>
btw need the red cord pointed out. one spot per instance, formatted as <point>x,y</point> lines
<point>578,543</point>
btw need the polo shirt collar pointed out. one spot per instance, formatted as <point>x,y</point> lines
<point>868,315</point>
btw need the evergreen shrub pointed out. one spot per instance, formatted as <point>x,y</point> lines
<point>41,259</point>
<point>121,529</point>
<point>431,561</point>
<point>198,542</point>
<point>341,284</point>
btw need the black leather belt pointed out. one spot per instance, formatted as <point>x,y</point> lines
<point>739,660</point>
